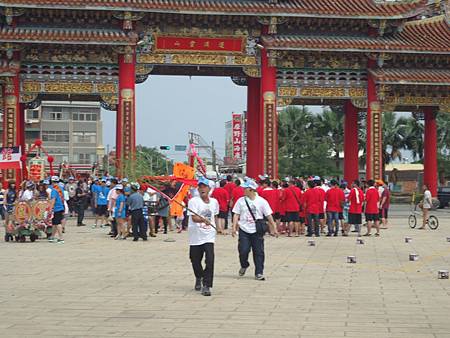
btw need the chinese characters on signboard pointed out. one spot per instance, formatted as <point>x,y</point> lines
<point>237,136</point>
<point>203,44</point>
<point>37,167</point>
<point>10,158</point>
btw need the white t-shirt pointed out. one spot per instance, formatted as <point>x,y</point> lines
<point>200,233</point>
<point>427,199</point>
<point>260,208</point>
<point>27,195</point>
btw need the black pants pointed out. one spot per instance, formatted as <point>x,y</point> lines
<point>196,253</point>
<point>72,204</point>
<point>255,243</point>
<point>79,209</point>
<point>165,223</point>
<point>138,223</point>
<point>313,225</point>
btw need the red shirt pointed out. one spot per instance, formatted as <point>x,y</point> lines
<point>229,187</point>
<point>372,199</point>
<point>386,194</point>
<point>259,190</point>
<point>272,196</point>
<point>302,204</point>
<point>321,194</point>
<point>237,193</point>
<point>289,201</point>
<point>312,201</point>
<point>335,198</point>
<point>355,207</point>
<point>221,195</point>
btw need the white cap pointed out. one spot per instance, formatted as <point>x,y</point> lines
<point>55,179</point>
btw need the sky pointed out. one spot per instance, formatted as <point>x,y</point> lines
<point>168,107</point>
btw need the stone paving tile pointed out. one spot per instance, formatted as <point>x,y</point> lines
<point>95,287</point>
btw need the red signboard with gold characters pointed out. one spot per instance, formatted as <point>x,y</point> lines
<point>168,43</point>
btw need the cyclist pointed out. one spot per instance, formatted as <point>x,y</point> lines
<point>426,205</point>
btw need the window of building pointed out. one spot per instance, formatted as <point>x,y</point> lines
<point>84,158</point>
<point>84,116</point>
<point>32,114</point>
<point>84,137</point>
<point>56,116</point>
<point>55,136</point>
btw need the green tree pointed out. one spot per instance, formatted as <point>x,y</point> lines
<point>414,138</point>
<point>331,127</point>
<point>394,136</point>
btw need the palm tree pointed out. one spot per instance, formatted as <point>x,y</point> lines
<point>443,126</point>
<point>331,126</point>
<point>414,137</point>
<point>394,136</point>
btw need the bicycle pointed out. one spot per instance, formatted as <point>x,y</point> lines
<point>433,222</point>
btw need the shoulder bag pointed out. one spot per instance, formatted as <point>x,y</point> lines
<point>260,224</point>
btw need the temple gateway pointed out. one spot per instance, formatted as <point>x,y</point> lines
<point>371,56</point>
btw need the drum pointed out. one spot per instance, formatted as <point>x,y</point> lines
<point>22,212</point>
<point>41,210</point>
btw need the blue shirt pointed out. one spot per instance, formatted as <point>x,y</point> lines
<point>101,194</point>
<point>59,205</point>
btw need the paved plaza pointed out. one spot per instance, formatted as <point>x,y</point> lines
<point>92,286</point>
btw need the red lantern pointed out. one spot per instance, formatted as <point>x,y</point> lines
<point>50,159</point>
<point>38,143</point>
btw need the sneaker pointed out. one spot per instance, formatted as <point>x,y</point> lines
<point>60,241</point>
<point>260,277</point>
<point>206,291</point>
<point>242,271</point>
<point>50,239</point>
<point>94,226</point>
<point>329,235</point>
<point>198,284</point>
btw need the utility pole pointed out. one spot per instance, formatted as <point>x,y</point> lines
<point>214,160</point>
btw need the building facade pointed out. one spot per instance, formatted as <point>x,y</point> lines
<point>71,132</point>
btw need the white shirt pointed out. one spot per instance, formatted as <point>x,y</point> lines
<point>260,208</point>
<point>27,195</point>
<point>200,233</point>
<point>427,199</point>
<point>150,195</point>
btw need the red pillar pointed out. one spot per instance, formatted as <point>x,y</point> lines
<point>430,176</point>
<point>269,120</point>
<point>126,113</point>
<point>351,161</point>
<point>21,137</point>
<point>254,159</point>
<point>13,125</point>
<point>374,156</point>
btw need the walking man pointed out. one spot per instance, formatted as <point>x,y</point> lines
<point>372,208</point>
<point>426,205</point>
<point>203,211</point>
<point>135,203</point>
<point>57,200</point>
<point>249,210</point>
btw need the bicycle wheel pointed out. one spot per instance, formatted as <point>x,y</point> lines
<point>412,221</point>
<point>433,222</point>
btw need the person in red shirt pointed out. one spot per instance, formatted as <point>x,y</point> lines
<point>291,207</point>
<point>236,194</point>
<point>321,192</point>
<point>335,199</point>
<point>313,205</point>
<point>384,205</point>
<point>272,196</point>
<point>372,208</point>
<point>297,195</point>
<point>355,200</point>
<point>221,195</point>
<point>229,186</point>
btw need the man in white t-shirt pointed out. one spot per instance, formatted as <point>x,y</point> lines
<point>427,204</point>
<point>202,212</point>
<point>247,210</point>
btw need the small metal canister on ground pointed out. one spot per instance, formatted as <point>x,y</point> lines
<point>359,241</point>
<point>351,259</point>
<point>408,239</point>
<point>443,274</point>
<point>448,239</point>
<point>312,242</point>
<point>413,257</point>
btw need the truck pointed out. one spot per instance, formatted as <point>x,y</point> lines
<point>443,196</point>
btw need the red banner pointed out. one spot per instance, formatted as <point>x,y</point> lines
<point>237,136</point>
<point>196,44</point>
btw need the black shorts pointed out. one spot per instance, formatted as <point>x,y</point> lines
<point>354,218</point>
<point>383,213</point>
<point>372,217</point>
<point>322,215</point>
<point>292,216</point>
<point>223,214</point>
<point>341,215</point>
<point>101,210</point>
<point>58,217</point>
<point>276,216</point>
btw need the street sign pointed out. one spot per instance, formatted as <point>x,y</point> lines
<point>179,147</point>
